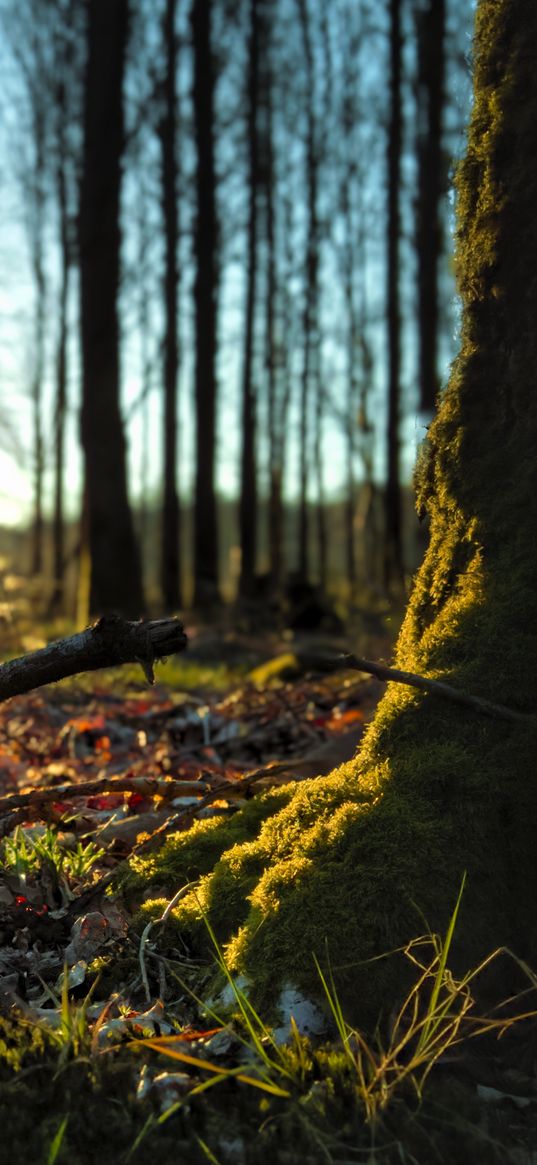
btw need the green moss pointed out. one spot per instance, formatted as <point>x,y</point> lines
<point>184,857</point>
<point>22,1044</point>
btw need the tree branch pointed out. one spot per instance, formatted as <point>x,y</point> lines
<point>434,687</point>
<point>163,787</point>
<point>110,642</point>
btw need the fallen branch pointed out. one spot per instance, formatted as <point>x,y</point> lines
<point>110,642</point>
<point>101,787</point>
<point>434,687</point>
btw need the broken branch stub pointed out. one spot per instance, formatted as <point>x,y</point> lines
<point>110,642</point>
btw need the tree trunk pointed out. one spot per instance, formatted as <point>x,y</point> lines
<point>37,209</point>
<point>275,406</point>
<point>393,566</point>
<point>205,305</point>
<point>364,861</point>
<point>248,487</point>
<point>310,368</point>
<point>431,28</point>
<point>170,546</point>
<point>57,600</point>
<point>116,582</point>
<point>277,328</point>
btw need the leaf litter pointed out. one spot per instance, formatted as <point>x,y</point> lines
<point>155,741</point>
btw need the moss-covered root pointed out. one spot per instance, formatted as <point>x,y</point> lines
<point>358,864</point>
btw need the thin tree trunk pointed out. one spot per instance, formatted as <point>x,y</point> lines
<point>170,542</point>
<point>276,408</point>
<point>350,436</point>
<point>431,28</point>
<point>205,303</point>
<point>320,509</point>
<point>248,489</point>
<point>37,407</point>
<point>322,131</point>
<point>40,283</point>
<point>116,579</point>
<point>57,600</point>
<point>310,318</point>
<point>145,457</point>
<point>393,565</point>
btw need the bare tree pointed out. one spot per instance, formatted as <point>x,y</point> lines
<point>36,229</point>
<point>27,29</point>
<point>170,534</point>
<point>248,484</point>
<point>67,107</point>
<point>205,305</point>
<point>276,332</point>
<point>311,292</point>
<point>116,579</point>
<point>431,35</point>
<point>393,565</point>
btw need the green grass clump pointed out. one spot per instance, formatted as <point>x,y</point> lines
<point>28,849</point>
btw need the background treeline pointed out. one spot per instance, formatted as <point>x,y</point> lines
<point>237,229</point>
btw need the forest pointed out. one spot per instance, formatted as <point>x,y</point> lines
<point>267,511</point>
<point>248,206</point>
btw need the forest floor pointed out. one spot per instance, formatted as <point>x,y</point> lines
<point>105,1054</point>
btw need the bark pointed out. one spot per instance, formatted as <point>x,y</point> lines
<point>248,486</point>
<point>431,29</point>
<point>116,582</point>
<point>205,307</point>
<point>361,863</point>
<point>170,541</point>
<point>393,567</point>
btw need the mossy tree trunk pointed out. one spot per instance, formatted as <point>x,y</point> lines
<point>353,864</point>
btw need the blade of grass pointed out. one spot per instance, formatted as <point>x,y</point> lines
<point>162,1045</point>
<point>257,1030</point>
<point>430,1025</point>
<point>208,1152</point>
<point>57,1141</point>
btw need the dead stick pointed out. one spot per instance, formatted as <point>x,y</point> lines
<point>434,687</point>
<point>110,642</point>
<point>147,786</point>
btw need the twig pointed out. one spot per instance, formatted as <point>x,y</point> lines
<point>147,930</point>
<point>434,687</point>
<point>146,786</point>
<point>231,790</point>
<point>110,642</point>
